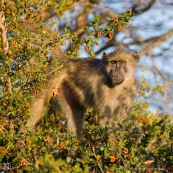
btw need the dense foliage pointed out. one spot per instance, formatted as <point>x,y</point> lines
<point>143,143</point>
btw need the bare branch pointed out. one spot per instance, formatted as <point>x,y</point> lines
<point>138,10</point>
<point>154,42</point>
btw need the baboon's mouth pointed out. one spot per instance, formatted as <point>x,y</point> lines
<point>117,82</point>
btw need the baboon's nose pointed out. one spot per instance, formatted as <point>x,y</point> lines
<point>116,76</point>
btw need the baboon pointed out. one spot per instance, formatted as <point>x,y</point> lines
<point>106,85</point>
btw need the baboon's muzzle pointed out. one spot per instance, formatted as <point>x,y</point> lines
<point>117,77</point>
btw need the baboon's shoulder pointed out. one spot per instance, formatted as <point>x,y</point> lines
<point>84,64</point>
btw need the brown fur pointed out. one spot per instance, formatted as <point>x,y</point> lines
<point>84,83</point>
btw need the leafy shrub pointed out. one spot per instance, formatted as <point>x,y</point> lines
<point>142,143</point>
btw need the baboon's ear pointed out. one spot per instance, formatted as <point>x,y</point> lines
<point>136,56</point>
<point>104,56</point>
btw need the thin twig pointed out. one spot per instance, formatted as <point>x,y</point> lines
<point>93,150</point>
<point>36,160</point>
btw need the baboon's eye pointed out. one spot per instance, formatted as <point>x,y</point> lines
<point>120,62</point>
<point>113,62</point>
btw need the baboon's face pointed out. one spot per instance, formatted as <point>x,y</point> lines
<point>119,66</point>
<point>115,71</point>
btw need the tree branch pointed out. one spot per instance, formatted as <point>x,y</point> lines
<point>9,85</point>
<point>3,32</point>
<point>156,41</point>
<point>138,10</point>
